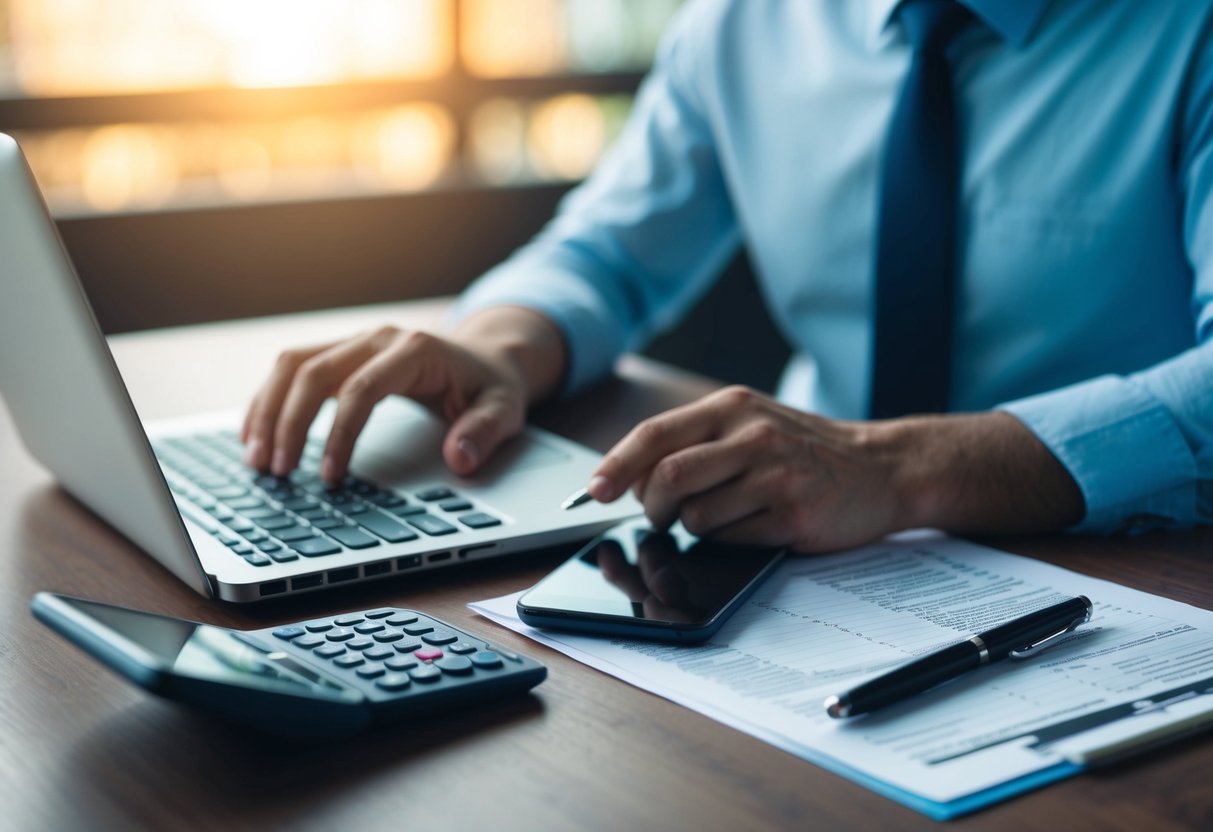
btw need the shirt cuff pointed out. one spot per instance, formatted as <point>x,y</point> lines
<point>1123,448</point>
<point>592,335</point>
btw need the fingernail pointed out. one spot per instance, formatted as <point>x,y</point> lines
<point>253,452</point>
<point>469,450</point>
<point>327,469</point>
<point>279,465</point>
<point>600,489</point>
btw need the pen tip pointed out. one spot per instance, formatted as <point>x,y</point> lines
<point>838,707</point>
<point>575,499</point>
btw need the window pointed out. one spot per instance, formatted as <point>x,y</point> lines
<point>137,105</point>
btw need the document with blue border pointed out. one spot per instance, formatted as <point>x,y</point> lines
<point>1141,668</point>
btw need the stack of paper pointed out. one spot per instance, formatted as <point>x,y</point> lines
<point>1142,668</point>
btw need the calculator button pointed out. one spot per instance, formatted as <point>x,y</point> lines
<point>379,613</point>
<point>425,673</point>
<point>400,663</point>
<point>348,660</point>
<point>360,644</point>
<point>340,634</point>
<point>348,620</point>
<point>418,629</point>
<point>370,671</point>
<point>428,654</point>
<point>368,627</point>
<point>479,520</point>
<point>378,654</point>
<point>394,681</point>
<point>401,620</point>
<point>407,646</point>
<point>388,636</point>
<point>455,665</point>
<point>440,637</point>
<point>461,647</point>
<point>288,633</point>
<point>309,641</point>
<point>318,626</point>
<point>328,651</point>
<point>486,659</point>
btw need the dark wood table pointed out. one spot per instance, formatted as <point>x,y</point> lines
<point>82,749</point>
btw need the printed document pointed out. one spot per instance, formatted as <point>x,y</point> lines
<point>820,625</point>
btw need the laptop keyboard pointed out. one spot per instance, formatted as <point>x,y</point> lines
<point>267,519</point>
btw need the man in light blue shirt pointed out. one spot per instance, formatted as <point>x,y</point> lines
<point>1082,378</point>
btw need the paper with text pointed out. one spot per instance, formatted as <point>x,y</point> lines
<point>820,625</point>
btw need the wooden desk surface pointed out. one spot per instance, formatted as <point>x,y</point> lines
<point>82,749</point>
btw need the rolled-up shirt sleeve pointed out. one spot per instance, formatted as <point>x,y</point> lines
<point>1140,446</point>
<point>632,247</point>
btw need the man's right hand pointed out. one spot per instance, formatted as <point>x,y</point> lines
<point>480,380</point>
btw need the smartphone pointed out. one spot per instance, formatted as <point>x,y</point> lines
<point>635,581</point>
<point>321,678</point>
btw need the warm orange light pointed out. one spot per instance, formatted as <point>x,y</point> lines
<point>73,47</point>
<point>567,136</point>
<point>126,165</point>
<point>408,147</point>
<point>498,140</point>
<point>513,37</point>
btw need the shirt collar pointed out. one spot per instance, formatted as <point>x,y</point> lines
<point>1013,20</point>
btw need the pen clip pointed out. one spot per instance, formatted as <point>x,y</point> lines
<point>1043,644</point>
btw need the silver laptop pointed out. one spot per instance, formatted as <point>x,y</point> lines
<point>179,490</point>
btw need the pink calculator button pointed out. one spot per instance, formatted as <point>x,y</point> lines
<point>428,654</point>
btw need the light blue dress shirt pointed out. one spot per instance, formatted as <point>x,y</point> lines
<point>1085,305</point>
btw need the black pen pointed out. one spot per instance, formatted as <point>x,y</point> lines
<point>1018,639</point>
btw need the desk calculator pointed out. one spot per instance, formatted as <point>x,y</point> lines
<point>324,677</point>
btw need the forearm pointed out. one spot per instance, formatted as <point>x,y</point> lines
<point>529,344</point>
<point>976,473</point>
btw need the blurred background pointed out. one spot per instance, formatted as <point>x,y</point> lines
<point>214,159</point>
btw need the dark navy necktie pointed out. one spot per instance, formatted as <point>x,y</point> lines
<point>915,282</point>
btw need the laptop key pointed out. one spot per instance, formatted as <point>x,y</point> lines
<point>326,523</point>
<point>479,520</point>
<point>258,559</point>
<point>407,510</point>
<point>225,492</point>
<point>429,495</point>
<point>353,538</point>
<point>315,547</point>
<point>455,504</point>
<point>385,527</point>
<point>294,533</point>
<point>277,521</point>
<point>385,499</point>
<point>432,525</point>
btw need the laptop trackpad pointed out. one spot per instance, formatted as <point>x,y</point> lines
<point>403,441</point>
